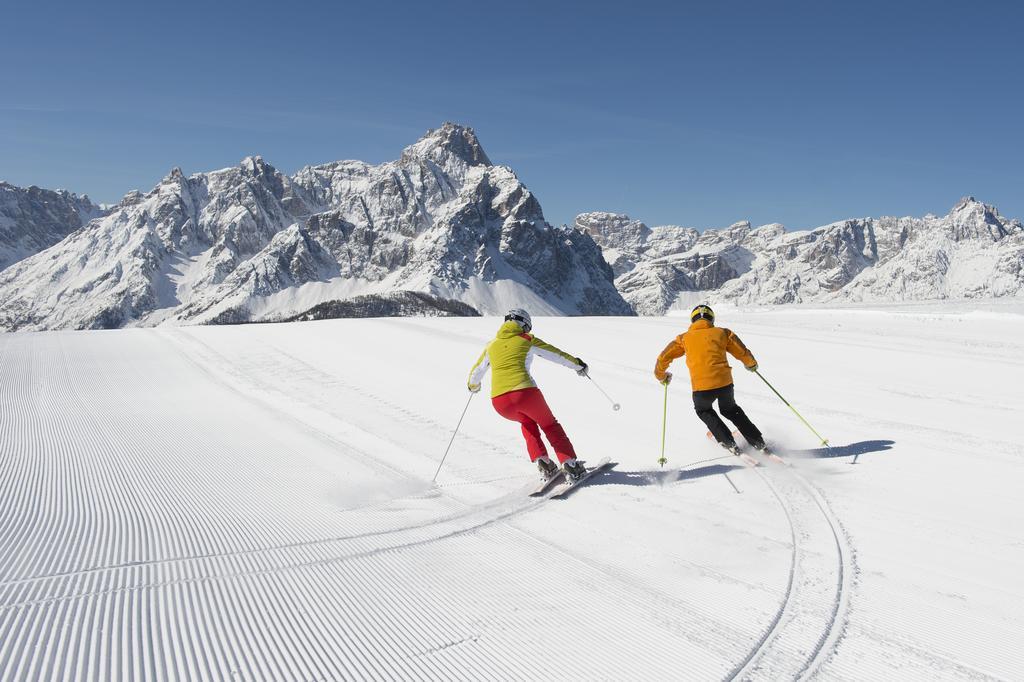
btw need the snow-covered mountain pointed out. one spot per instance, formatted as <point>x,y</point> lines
<point>973,252</point>
<point>33,219</point>
<point>249,243</point>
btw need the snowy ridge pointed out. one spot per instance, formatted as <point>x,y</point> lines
<point>244,243</point>
<point>972,252</point>
<point>33,219</point>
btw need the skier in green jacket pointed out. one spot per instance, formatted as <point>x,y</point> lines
<point>515,395</point>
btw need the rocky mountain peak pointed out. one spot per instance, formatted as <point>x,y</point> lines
<point>626,241</point>
<point>609,228</point>
<point>738,230</point>
<point>256,167</point>
<point>130,199</point>
<point>966,201</point>
<point>972,219</point>
<point>452,147</point>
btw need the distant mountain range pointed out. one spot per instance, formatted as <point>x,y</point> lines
<point>972,252</point>
<point>444,231</point>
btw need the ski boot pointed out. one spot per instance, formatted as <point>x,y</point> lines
<point>769,453</point>
<point>574,470</point>
<point>733,448</point>
<point>547,467</point>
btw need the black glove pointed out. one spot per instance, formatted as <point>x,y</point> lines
<point>668,378</point>
<point>582,371</point>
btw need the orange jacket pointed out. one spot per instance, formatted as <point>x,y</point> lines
<point>704,346</point>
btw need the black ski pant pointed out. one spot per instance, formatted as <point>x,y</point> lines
<point>703,402</point>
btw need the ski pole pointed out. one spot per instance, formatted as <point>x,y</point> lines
<point>453,437</point>
<point>823,440</point>
<point>615,405</point>
<point>664,424</point>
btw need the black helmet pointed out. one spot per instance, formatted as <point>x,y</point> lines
<point>702,312</point>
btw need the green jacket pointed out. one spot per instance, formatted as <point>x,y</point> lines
<point>509,356</point>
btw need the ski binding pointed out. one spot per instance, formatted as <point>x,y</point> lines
<point>546,484</point>
<point>562,491</point>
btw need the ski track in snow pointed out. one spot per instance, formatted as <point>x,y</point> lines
<point>254,503</point>
<point>808,594</point>
<point>127,619</point>
<point>818,590</point>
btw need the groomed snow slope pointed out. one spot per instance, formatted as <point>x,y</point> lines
<point>255,503</point>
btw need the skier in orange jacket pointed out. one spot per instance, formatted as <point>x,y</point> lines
<point>705,346</point>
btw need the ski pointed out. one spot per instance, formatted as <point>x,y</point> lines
<point>744,457</point>
<point>546,484</point>
<point>765,451</point>
<point>563,491</point>
<point>772,457</point>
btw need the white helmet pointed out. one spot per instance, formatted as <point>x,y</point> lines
<point>521,316</point>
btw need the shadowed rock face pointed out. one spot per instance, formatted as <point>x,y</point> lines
<point>34,219</point>
<point>441,220</point>
<point>971,252</point>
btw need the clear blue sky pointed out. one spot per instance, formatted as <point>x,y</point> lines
<point>674,112</point>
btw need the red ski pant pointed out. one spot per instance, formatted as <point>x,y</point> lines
<point>528,407</point>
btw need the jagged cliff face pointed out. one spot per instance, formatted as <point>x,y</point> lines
<point>34,219</point>
<point>973,252</point>
<point>249,242</point>
<point>626,242</point>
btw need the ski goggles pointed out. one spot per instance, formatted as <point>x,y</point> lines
<point>521,320</point>
<point>702,312</point>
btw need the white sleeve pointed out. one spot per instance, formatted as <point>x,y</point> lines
<point>556,355</point>
<point>476,375</point>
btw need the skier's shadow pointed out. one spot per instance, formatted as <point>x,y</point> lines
<point>660,477</point>
<point>854,450</point>
<point>663,477</point>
